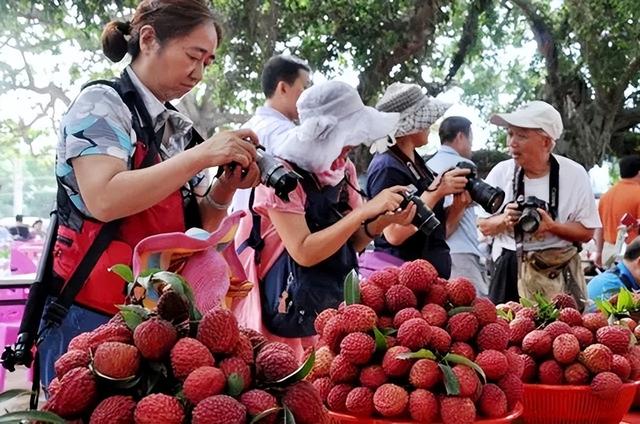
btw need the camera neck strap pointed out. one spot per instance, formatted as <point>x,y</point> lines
<point>418,168</point>
<point>518,190</point>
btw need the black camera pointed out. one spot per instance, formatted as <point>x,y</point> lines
<point>277,174</point>
<point>490,198</point>
<point>424,219</point>
<point>530,219</point>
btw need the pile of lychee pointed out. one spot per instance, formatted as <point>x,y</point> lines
<point>152,372</point>
<point>561,346</point>
<point>417,347</point>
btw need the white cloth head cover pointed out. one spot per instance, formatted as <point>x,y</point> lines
<point>332,117</point>
<point>536,114</point>
<point>417,111</point>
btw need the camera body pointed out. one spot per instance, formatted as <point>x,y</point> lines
<point>425,219</point>
<point>276,174</point>
<point>529,221</point>
<point>490,198</point>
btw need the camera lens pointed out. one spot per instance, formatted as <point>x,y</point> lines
<point>425,219</point>
<point>490,198</point>
<point>529,220</point>
<point>273,173</point>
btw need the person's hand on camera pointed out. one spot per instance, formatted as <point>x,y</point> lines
<point>228,147</point>
<point>451,182</point>
<point>402,217</point>
<point>388,200</point>
<point>546,223</point>
<point>461,201</point>
<point>511,215</point>
<point>236,177</point>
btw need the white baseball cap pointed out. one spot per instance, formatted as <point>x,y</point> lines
<point>536,114</point>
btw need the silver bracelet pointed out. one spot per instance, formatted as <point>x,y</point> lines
<point>216,205</point>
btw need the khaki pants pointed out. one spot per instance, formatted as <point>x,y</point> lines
<point>552,271</point>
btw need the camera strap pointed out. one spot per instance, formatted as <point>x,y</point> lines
<point>518,190</point>
<point>417,168</point>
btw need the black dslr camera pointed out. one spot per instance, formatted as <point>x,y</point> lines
<point>530,219</point>
<point>490,198</point>
<point>275,173</point>
<point>424,219</point>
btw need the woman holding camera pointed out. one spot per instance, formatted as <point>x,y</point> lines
<point>301,250</point>
<point>130,166</point>
<point>401,164</point>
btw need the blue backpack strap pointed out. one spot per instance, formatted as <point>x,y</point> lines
<point>624,278</point>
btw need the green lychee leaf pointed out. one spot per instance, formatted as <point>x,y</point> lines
<point>288,416</point>
<point>131,318</point>
<point>32,416</point>
<point>605,307</point>
<point>459,359</point>
<point>542,301</point>
<point>171,279</point>
<point>235,384</point>
<point>301,372</point>
<point>625,300</point>
<point>265,414</point>
<point>420,354</point>
<point>451,383</point>
<point>526,302</point>
<point>352,288</point>
<point>13,393</point>
<point>460,309</point>
<point>123,271</point>
<point>505,314</point>
<point>381,340</point>
<point>388,331</point>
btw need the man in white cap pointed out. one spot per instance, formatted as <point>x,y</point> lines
<point>549,209</point>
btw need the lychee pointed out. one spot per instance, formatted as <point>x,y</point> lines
<point>390,400</point>
<point>417,275</point>
<point>493,363</point>
<point>571,316</point>
<point>384,278</point>
<point>392,365</point>
<point>493,336</point>
<point>154,338</point>
<point>462,326</point>
<point>550,372</point>
<point>357,348</point>
<point>342,370</point>
<point>425,374</point>
<point>461,291</point>
<point>275,361</point>
<point>537,343</point>
<point>218,330</point>
<point>457,410</point>
<point>576,374</point>
<point>372,296</point>
<point>322,319</point>
<point>372,376</point>
<point>404,315</point>
<point>414,333</point>
<point>423,406</point>
<point>435,315</point>
<point>358,318</point>
<point>493,401</point>
<point>615,338</point>
<point>202,383</point>
<point>71,359</point>
<point>337,397</point>
<point>597,358</point>
<point>304,403</point>
<point>360,402</point>
<point>159,408</point>
<point>114,410</point>
<point>399,297</point>
<point>116,360</point>
<point>566,348</point>
<point>484,310</point>
<point>606,385</point>
<point>219,409</point>
<point>257,401</point>
<point>187,355</point>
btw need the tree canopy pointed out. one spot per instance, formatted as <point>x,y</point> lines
<point>587,62</point>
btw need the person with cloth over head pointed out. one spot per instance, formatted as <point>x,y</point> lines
<point>299,251</point>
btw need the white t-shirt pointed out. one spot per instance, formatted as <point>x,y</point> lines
<point>269,125</point>
<point>576,201</point>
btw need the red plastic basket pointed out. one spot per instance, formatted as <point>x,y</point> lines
<point>547,404</point>
<point>348,419</point>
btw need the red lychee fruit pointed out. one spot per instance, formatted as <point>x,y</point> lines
<point>519,328</point>
<point>513,388</point>
<point>571,316</point>
<point>463,349</point>
<point>114,410</point>
<point>373,376</point>
<point>530,368</point>
<point>616,338</point>
<point>219,409</point>
<point>187,355</point>
<point>358,318</point>
<point>438,293</point>
<point>457,410</point>
<point>154,338</point>
<point>417,275</point>
<point>606,385</point>
<point>109,333</point>
<point>493,401</point>
<point>357,348</point>
<point>159,408</point>
<point>384,278</point>
<point>556,328</point>
<point>516,362</point>
<point>323,385</point>
<point>537,343</point>
<point>333,332</point>
<point>372,296</point>
<point>322,363</point>
<point>202,383</point>
<point>597,358</point>
<point>218,330</point>
<point>621,367</point>
<point>527,312</point>
<point>440,340</point>
<point>116,360</point>
<point>275,361</point>
<point>393,366</point>
<point>468,379</point>
<point>493,363</point>
<point>322,319</point>
<point>566,348</point>
<point>70,360</point>
<point>405,315</point>
<point>461,291</point>
<point>435,315</point>
<point>236,366</point>
<point>594,320</point>
<point>584,336</point>
<point>390,400</point>
<point>414,333</point>
<point>423,406</point>
<point>550,372</point>
<point>337,397</point>
<point>484,310</point>
<point>493,336</point>
<point>360,402</point>
<point>75,394</point>
<point>342,370</point>
<point>257,401</point>
<point>304,402</point>
<point>462,326</point>
<point>564,300</point>
<point>399,297</point>
<point>244,349</point>
<point>576,374</point>
<point>425,374</point>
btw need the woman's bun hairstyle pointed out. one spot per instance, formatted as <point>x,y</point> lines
<point>114,40</point>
